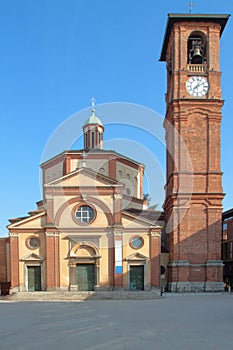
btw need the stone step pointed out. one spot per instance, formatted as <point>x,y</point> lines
<point>100,295</point>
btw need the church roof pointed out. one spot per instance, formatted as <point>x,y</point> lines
<point>150,215</point>
<point>93,151</point>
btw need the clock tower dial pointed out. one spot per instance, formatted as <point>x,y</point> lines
<point>197,86</point>
<point>193,203</point>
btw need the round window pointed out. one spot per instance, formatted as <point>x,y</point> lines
<point>136,242</point>
<point>33,243</point>
<point>84,214</point>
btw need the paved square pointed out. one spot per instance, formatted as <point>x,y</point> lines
<point>174,322</point>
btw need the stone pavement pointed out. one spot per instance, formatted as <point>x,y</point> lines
<point>198,322</point>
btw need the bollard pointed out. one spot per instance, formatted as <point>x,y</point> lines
<point>229,289</point>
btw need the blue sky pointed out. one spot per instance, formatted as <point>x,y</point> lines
<point>57,54</point>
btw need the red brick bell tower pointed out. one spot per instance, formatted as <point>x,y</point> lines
<point>193,204</point>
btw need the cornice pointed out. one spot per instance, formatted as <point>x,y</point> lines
<point>52,234</point>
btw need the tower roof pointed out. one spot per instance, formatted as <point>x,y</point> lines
<point>173,18</point>
<point>93,119</point>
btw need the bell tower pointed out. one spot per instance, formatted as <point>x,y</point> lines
<point>193,204</point>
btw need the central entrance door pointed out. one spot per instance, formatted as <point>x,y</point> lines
<point>34,278</point>
<point>85,276</point>
<point>136,277</point>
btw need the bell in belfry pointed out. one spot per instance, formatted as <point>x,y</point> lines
<point>196,52</point>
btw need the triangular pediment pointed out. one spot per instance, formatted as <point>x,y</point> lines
<point>84,177</point>
<point>34,221</point>
<point>32,257</point>
<point>136,257</point>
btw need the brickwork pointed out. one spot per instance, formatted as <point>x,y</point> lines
<point>14,261</point>
<point>230,230</point>
<point>3,260</point>
<point>155,259</point>
<point>52,261</point>
<point>227,247</point>
<point>193,213</point>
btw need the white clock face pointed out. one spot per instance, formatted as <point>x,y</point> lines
<point>197,86</point>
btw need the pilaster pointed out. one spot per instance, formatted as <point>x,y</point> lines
<point>53,259</point>
<point>118,252</point>
<point>155,251</point>
<point>117,204</point>
<point>14,259</point>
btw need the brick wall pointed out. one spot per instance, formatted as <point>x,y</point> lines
<point>3,260</point>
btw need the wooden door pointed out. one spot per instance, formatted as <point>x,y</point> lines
<point>136,277</point>
<point>85,274</point>
<point>34,278</point>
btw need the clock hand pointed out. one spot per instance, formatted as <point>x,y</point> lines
<point>199,83</point>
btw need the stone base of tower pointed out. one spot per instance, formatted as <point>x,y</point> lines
<point>195,287</point>
<point>187,277</point>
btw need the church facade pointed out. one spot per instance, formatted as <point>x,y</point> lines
<point>93,233</point>
<point>93,229</point>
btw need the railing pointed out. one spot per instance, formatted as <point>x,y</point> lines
<point>197,68</point>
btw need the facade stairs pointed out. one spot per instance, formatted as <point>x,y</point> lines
<point>82,296</point>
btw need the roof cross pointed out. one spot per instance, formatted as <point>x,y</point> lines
<point>191,4</point>
<point>93,104</point>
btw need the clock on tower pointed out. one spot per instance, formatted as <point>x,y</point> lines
<point>193,204</point>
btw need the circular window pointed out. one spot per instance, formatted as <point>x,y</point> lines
<point>33,242</point>
<point>136,242</point>
<point>84,214</point>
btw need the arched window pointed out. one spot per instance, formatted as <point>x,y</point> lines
<point>197,48</point>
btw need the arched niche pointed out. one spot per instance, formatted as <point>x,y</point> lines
<point>197,48</point>
<point>84,250</point>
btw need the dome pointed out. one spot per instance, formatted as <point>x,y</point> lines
<point>93,119</point>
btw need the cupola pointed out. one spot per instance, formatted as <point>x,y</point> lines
<point>93,130</point>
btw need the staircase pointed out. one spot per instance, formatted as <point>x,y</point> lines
<point>78,296</point>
